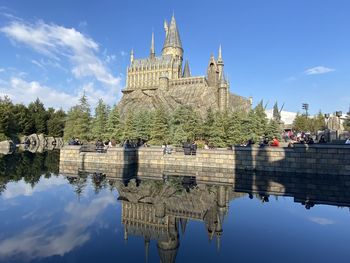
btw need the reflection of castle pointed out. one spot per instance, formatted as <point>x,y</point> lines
<point>156,211</point>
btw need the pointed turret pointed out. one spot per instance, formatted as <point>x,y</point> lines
<point>131,56</point>
<point>187,72</point>
<point>166,28</point>
<point>172,43</point>
<point>220,61</point>
<point>212,72</point>
<point>152,53</point>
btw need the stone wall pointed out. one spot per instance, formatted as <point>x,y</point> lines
<point>315,159</point>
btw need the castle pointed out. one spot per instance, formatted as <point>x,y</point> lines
<point>163,81</point>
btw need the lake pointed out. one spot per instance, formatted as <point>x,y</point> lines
<point>89,217</point>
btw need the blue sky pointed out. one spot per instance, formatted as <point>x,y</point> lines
<point>290,51</point>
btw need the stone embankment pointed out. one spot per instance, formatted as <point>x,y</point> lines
<point>206,164</point>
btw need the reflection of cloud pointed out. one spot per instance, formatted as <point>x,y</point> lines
<point>14,189</point>
<point>45,239</point>
<point>321,221</point>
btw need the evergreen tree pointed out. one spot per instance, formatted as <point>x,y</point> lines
<point>235,132</point>
<point>99,123</point>
<point>7,123</point>
<point>276,113</point>
<point>129,132</point>
<point>25,124</point>
<point>300,123</point>
<point>273,130</point>
<point>185,125</point>
<point>318,123</point>
<point>39,116</point>
<point>159,127</point>
<point>143,124</point>
<point>217,134</point>
<point>56,122</point>
<point>79,121</point>
<point>260,121</point>
<point>114,125</point>
<point>208,123</point>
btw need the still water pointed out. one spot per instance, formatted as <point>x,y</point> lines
<point>48,217</point>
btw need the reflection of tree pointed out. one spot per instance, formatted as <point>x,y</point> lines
<point>79,183</point>
<point>99,181</point>
<point>28,166</point>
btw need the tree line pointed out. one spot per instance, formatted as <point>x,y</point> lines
<point>155,126</point>
<point>18,119</point>
<point>159,126</point>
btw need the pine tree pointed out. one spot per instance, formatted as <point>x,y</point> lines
<point>39,115</point>
<point>276,113</point>
<point>7,123</point>
<point>79,121</point>
<point>234,132</point>
<point>143,125</point>
<point>25,124</point>
<point>129,132</point>
<point>56,122</point>
<point>208,123</point>
<point>261,121</point>
<point>300,123</point>
<point>217,134</point>
<point>114,125</point>
<point>159,127</point>
<point>100,121</point>
<point>273,130</point>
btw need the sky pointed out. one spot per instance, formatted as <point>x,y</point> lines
<point>291,51</point>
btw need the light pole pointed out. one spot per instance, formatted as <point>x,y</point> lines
<point>305,106</point>
<point>338,114</point>
<point>326,117</point>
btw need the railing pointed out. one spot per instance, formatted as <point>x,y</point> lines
<point>187,81</point>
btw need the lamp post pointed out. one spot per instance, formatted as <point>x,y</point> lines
<point>327,132</point>
<point>338,114</point>
<point>305,106</point>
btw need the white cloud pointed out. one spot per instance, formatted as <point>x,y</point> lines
<point>2,70</point>
<point>321,221</point>
<point>22,91</point>
<point>318,70</point>
<point>58,43</point>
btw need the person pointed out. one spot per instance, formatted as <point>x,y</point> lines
<point>275,142</point>
<point>322,139</point>
<point>127,144</point>
<point>347,141</point>
<point>193,148</point>
<point>206,146</point>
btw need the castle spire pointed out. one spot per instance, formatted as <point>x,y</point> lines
<point>187,72</point>
<point>153,53</point>
<point>172,35</point>
<point>131,56</point>
<point>220,61</point>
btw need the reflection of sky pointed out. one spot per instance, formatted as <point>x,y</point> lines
<point>51,221</point>
<point>50,224</point>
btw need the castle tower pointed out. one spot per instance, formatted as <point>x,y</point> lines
<point>212,72</point>
<point>152,52</point>
<point>187,72</point>
<point>222,92</point>
<point>172,44</point>
<point>220,62</point>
